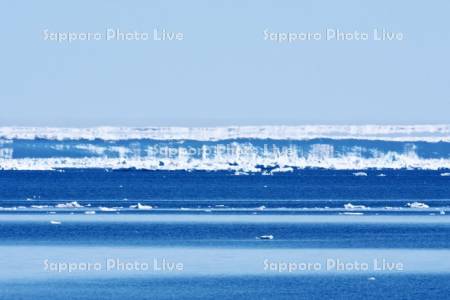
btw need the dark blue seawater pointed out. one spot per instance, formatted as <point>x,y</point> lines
<point>212,222</point>
<point>242,287</point>
<point>161,186</point>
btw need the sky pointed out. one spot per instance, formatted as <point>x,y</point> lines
<point>224,71</point>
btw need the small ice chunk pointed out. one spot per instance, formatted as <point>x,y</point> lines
<point>445,174</point>
<point>360,174</point>
<point>350,206</point>
<point>141,206</point>
<point>418,205</point>
<point>55,222</point>
<point>282,170</point>
<point>108,209</point>
<point>89,212</point>
<point>39,206</point>
<point>8,208</point>
<point>73,204</point>
<point>265,237</point>
<point>240,173</point>
<point>144,207</point>
<point>352,213</point>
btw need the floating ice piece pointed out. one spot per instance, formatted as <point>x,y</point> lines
<point>39,206</point>
<point>360,174</point>
<point>265,237</point>
<point>350,206</point>
<point>352,213</point>
<point>73,204</point>
<point>371,278</point>
<point>108,209</point>
<point>282,170</point>
<point>442,212</point>
<point>445,174</point>
<point>418,205</point>
<point>55,222</point>
<point>142,206</point>
<point>381,175</point>
<point>262,207</point>
<point>8,208</point>
<point>89,212</point>
<point>240,173</point>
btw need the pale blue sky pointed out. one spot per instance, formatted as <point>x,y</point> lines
<point>223,72</point>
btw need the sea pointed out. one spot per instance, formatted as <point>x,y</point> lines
<point>250,212</point>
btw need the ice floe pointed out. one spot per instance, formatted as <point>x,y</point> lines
<point>141,206</point>
<point>39,206</point>
<point>73,204</point>
<point>8,208</point>
<point>418,205</point>
<point>265,237</point>
<point>352,213</point>
<point>108,209</point>
<point>360,174</point>
<point>350,206</point>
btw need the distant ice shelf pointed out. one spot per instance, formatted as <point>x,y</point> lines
<point>237,164</point>
<point>431,133</point>
<point>242,150</point>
